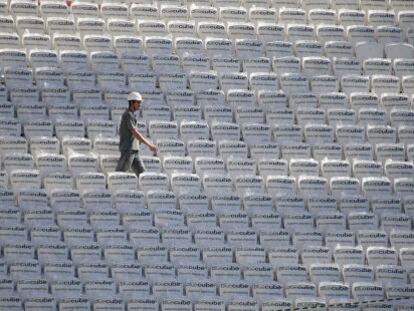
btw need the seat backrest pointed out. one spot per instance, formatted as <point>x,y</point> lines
<point>29,22</point>
<point>346,66</point>
<point>193,203</point>
<point>33,111</point>
<point>194,130</point>
<point>324,84</point>
<point>298,150</point>
<point>176,236</point>
<point>372,117</point>
<point>183,107</point>
<point>225,131</point>
<point>9,41</point>
<point>210,97</point>
<point>185,182</point>
<point>261,132</point>
<point>158,45</point>
<point>377,66</point>
<point>17,161</point>
<point>171,147</point>
<point>233,80</point>
<point>212,241</point>
<point>291,15</point>
<point>73,60</point>
<point>287,133</point>
<point>372,238</point>
<point>211,29</point>
<point>17,77</point>
<point>311,115</point>
<point>200,81</point>
<point>406,257</point>
<point>290,272</point>
<point>84,9</point>
<point>217,113</point>
<point>181,28</point>
<point>97,42</point>
<point>114,10</point>
<point>262,14</point>
<point>278,49</point>
<point>387,34</point>
<point>363,290</point>
<point>172,83</point>
<point>104,62</point>
<point>225,64</point>
<point>25,179</point>
<point>36,41</point>
<point>372,186</point>
<point>237,98</point>
<point>300,31</point>
<point>240,30</point>
<point>209,165</point>
<point>312,185</point>
<point>261,81</point>
<point>191,63</point>
<point>343,50</point>
<point>403,186</point>
<point>203,13</point>
<point>302,167</point>
<point>223,203</point>
<point>363,49</point>
<point>170,63</point>
<point>245,184</point>
<point>325,15</point>
<point>398,169</point>
<point>351,15</point>
<point>173,164</point>
<point>377,255</point>
<point>294,83</point>
<point>60,25</point>
<point>188,45</point>
<point>214,184</point>
<point>151,181</point>
<point>232,14</point>
<point>315,133</point>
<point>97,200</point>
<point>163,129</point>
<point>360,33</point>
<point>232,149</point>
<point>397,221</point>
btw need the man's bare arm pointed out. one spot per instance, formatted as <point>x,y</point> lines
<point>144,140</point>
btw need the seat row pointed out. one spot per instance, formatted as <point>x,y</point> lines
<point>226,105</point>
<point>282,194</point>
<point>280,58</point>
<point>209,304</point>
<point>271,42</point>
<point>309,74</point>
<point>212,173</point>
<point>148,26</point>
<point>141,288</point>
<point>265,155</point>
<point>211,244</point>
<point>218,226</point>
<point>284,133</point>
<point>283,11</point>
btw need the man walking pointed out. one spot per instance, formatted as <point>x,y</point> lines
<point>130,137</point>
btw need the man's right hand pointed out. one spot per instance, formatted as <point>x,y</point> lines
<point>153,148</point>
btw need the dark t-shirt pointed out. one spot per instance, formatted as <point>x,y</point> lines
<point>126,139</point>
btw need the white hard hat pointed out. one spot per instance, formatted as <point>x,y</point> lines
<point>134,96</point>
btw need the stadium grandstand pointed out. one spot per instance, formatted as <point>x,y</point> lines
<point>284,177</point>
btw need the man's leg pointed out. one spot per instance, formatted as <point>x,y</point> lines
<point>137,166</point>
<point>124,162</point>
